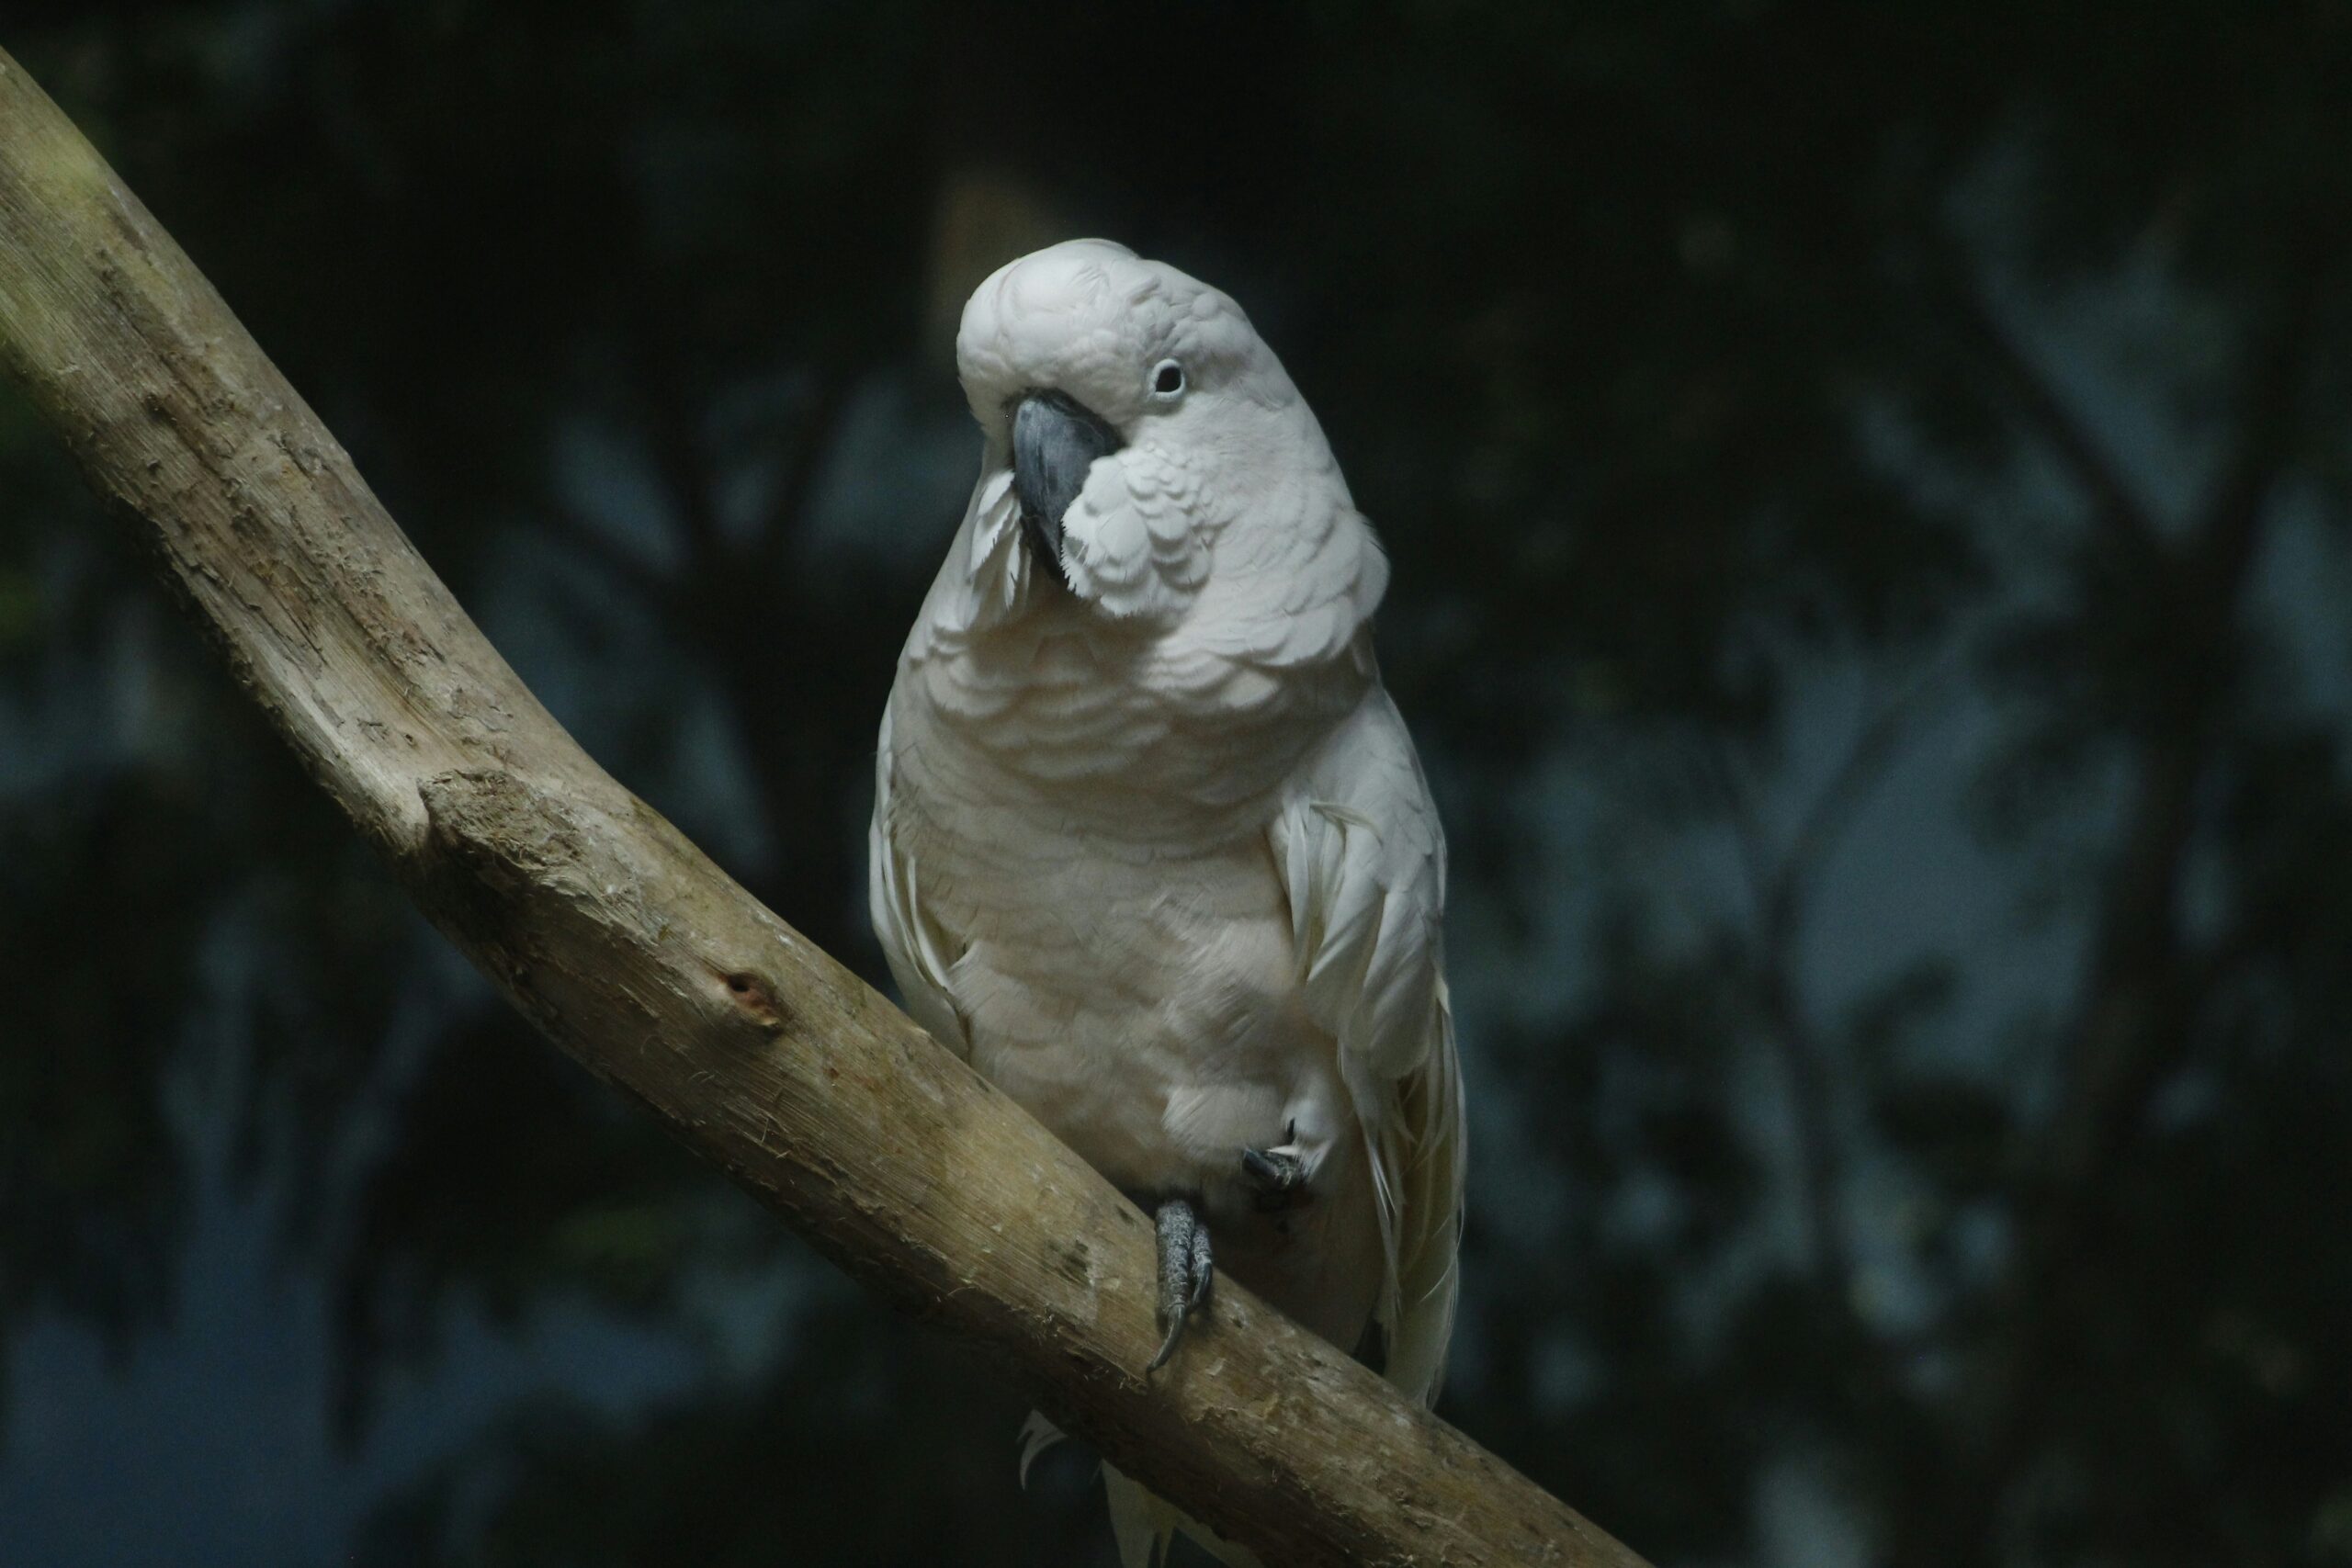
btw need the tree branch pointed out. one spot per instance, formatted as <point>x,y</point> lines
<point>629,949</point>
<point>1780,887</point>
<point>2032,400</point>
<point>2136,1018</point>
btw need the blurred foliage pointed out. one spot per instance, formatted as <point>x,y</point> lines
<point>1868,485</point>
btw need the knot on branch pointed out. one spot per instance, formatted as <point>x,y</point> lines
<point>757,997</point>
<point>587,911</point>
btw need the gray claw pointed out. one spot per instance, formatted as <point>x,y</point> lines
<point>1185,1271</point>
<point>1279,1177</point>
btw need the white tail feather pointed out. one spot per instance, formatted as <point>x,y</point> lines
<point>1146,1525</point>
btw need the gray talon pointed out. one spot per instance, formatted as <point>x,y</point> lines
<point>1185,1271</point>
<point>1279,1176</point>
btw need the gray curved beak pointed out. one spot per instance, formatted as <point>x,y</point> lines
<point>1055,440</point>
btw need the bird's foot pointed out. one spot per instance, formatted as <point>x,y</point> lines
<point>1277,1176</point>
<point>1185,1271</point>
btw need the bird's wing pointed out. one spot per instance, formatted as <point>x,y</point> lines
<point>983,580</point>
<point>1362,860</point>
<point>912,944</point>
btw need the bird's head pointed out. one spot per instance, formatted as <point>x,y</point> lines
<point>1136,416</point>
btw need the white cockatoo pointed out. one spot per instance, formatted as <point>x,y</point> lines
<point>1152,848</point>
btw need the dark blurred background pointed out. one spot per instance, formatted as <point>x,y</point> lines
<point>1869,491</point>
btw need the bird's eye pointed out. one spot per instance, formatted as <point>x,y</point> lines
<point>1168,378</point>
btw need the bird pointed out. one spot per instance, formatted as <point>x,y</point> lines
<point>1152,847</point>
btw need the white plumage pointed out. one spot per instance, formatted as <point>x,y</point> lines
<point>1151,845</point>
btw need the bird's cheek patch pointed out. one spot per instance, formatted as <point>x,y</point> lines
<point>1128,543</point>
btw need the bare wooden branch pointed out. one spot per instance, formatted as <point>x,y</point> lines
<point>629,949</point>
